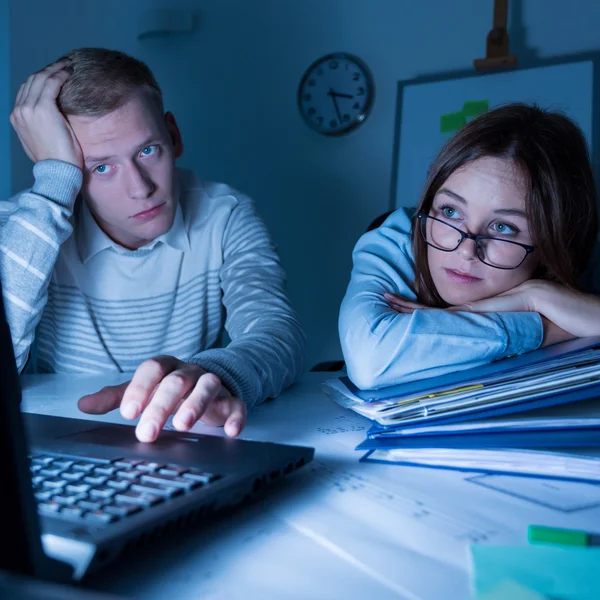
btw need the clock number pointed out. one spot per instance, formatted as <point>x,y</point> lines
<point>356,106</point>
<point>356,77</point>
<point>334,64</point>
<point>312,82</point>
<point>320,120</point>
<point>319,71</point>
<point>307,97</point>
<point>361,91</point>
<point>346,118</point>
<point>311,112</point>
<point>333,123</point>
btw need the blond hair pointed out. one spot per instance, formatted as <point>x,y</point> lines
<point>103,80</point>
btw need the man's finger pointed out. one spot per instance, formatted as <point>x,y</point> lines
<point>107,399</point>
<point>205,391</point>
<point>168,395</point>
<point>237,419</point>
<point>53,85</point>
<point>145,379</point>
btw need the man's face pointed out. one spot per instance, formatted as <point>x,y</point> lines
<point>485,197</point>
<point>130,182</point>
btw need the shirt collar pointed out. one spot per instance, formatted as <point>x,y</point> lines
<point>91,240</point>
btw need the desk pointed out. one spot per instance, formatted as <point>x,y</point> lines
<point>337,528</point>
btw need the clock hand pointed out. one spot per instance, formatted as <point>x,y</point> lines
<point>341,95</point>
<point>337,108</point>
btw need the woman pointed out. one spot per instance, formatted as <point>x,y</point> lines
<point>489,264</point>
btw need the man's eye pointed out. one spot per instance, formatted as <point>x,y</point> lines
<point>148,151</point>
<point>101,169</point>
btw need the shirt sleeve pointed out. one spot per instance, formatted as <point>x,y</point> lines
<point>267,349</point>
<point>29,245</point>
<point>382,347</point>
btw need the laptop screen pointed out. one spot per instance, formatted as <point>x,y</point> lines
<point>20,543</point>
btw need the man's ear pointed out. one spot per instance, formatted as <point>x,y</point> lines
<point>174,134</point>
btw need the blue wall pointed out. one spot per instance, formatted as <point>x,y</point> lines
<point>232,85</point>
<point>5,103</point>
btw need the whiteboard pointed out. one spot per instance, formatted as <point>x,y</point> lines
<point>430,112</point>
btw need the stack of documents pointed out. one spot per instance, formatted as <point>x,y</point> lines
<point>532,404</point>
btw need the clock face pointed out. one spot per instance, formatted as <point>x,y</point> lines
<point>336,94</point>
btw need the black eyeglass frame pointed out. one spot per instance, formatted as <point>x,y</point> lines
<point>422,217</point>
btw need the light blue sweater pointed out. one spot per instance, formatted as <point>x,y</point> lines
<point>382,347</point>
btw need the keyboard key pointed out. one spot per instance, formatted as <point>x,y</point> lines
<point>35,468</point>
<point>78,488</point>
<point>137,498</point>
<point>175,482</point>
<point>119,484</point>
<point>67,500</point>
<point>50,472</point>
<point>83,466</point>
<point>149,467</point>
<point>197,475</point>
<point>105,470</point>
<point>131,475</point>
<point>95,479</point>
<point>127,463</point>
<point>173,470</point>
<point>43,496</point>
<point>122,509</point>
<point>72,475</point>
<point>150,488</point>
<point>99,516</point>
<point>72,511</point>
<point>102,492</point>
<point>62,463</point>
<point>41,460</point>
<point>54,483</point>
<point>48,508</point>
<point>90,504</point>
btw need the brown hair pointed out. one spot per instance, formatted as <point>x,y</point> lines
<point>551,152</point>
<point>103,80</point>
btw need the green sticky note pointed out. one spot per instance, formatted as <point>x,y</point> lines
<point>452,122</point>
<point>537,534</point>
<point>568,573</point>
<point>472,108</point>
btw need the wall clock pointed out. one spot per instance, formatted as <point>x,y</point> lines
<point>336,94</point>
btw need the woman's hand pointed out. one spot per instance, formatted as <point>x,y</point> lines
<point>574,312</point>
<point>566,314</point>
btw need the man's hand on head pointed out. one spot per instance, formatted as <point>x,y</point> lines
<point>42,129</point>
<point>163,386</point>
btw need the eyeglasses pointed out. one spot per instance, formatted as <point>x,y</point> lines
<point>491,251</point>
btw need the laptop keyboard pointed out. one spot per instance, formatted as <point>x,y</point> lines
<point>98,490</point>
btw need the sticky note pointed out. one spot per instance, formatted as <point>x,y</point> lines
<point>565,572</point>
<point>452,122</point>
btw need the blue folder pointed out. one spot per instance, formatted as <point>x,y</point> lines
<point>551,398</point>
<point>432,384</point>
<point>549,438</point>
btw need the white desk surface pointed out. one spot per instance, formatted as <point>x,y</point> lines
<point>337,528</point>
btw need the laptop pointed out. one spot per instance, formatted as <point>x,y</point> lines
<point>76,495</point>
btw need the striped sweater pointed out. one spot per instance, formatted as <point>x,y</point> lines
<point>100,307</point>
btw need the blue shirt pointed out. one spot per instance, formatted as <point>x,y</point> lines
<point>383,347</point>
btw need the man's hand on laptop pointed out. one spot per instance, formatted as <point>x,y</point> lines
<point>44,132</point>
<point>165,386</point>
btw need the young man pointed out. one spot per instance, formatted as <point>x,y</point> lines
<point>159,262</point>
